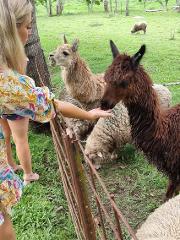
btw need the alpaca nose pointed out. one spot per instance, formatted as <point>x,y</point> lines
<point>105,105</point>
<point>51,59</point>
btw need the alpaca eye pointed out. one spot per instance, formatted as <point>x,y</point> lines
<point>122,84</point>
<point>65,53</point>
<point>124,67</point>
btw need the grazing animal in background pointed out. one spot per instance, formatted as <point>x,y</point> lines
<point>154,130</point>
<point>139,27</point>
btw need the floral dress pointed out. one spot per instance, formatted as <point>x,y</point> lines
<point>19,95</point>
<point>10,184</point>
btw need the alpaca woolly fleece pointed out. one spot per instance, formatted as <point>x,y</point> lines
<point>111,134</point>
<point>163,223</point>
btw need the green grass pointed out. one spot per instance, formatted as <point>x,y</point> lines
<point>138,187</point>
<point>43,213</point>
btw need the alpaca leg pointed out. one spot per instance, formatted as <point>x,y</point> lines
<point>170,190</point>
<point>100,158</point>
<point>80,127</point>
<point>177,190</point>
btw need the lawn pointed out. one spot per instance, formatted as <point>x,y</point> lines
<point>138,187</point>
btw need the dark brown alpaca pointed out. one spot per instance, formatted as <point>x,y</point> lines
<point>155,131</point>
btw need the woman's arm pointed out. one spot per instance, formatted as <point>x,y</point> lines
<point>19,95</point>
<point>71,111</point>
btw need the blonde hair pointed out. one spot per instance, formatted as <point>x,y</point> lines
<point>12,14</point>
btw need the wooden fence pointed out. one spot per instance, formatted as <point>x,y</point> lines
<point>93,209</point>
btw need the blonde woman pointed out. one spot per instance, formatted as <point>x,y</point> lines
<point>20,98</point>
<point>16,124</point>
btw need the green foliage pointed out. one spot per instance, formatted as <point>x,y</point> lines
<point>43,2</point>
<point>97,2</point>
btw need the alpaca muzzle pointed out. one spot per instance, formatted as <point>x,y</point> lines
<point>105,104</point>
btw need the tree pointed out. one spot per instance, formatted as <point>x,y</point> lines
<point>127,7</point>
<point>47,4</point>
<point>116,6</point>
<point>110,3</point>
<point>178,6</point>
<point>59,7</point>
<point>49,7</point>
<point>90,4</point>
<point>106,6</point>
<point>37,67</point>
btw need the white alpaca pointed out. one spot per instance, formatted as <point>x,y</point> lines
<point>163,223</point>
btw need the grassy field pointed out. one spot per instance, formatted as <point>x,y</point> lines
<point>138,187</point>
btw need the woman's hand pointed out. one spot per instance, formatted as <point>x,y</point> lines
<point>97,113</point>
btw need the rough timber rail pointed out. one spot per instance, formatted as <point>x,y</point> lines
<point>78,181</point>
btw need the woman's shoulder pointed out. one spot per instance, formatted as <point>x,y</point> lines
<point>12,75</point>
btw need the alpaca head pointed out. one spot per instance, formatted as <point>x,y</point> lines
<point>65,55</point>
<point>121,77</point>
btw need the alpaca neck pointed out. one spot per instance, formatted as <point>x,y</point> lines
<point>78,68</point>
<point>77,80</point>
<point>145,118</point>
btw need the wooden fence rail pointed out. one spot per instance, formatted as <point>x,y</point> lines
<point>80,181</point>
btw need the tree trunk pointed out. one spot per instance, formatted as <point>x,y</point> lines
<point>127,7</point>
<point>144,4</point>
<point>37,67</point>
<point>178,6</point>
<point>116,6</point>
<point>59,7</point>
<point>106,6</point>
<point>47,8</point>
<point>111,7</point>
<point>92,3</point>
<point>50,8</point>
<point>88,5</point>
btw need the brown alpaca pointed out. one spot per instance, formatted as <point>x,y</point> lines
<point>139,27</point>
<point>82,87</point>
<point>80,82</point>
<point>154,130</point>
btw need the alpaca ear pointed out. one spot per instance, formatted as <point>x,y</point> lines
<point>75,45</point>
<point>138,56</point>
<point>65,39</point>
<point>114,49</point>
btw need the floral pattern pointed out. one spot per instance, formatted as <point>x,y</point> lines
<point>10,184</point>
<point>10,190</point>
<point>19,95</point>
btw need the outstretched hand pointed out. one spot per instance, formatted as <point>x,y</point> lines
<point>97,113</point>
<point>72,111</point>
